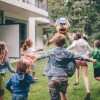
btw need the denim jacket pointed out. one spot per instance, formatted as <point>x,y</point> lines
<point>58,60</point>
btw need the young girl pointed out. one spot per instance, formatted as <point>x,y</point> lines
<point>81,47</point>
<point>29,53</point>
<point>96,55</point>
<point>19,83</point>
<point>4,63</point>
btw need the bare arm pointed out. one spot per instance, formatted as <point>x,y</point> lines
<point>70,36</point>
<point>51,40</point>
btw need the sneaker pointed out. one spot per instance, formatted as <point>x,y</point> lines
<point>87,97</point>
<point>76,83</point>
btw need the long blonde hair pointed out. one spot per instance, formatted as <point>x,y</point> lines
<point>3,51</point>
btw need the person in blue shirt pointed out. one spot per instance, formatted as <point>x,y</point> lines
<point>4,64</point>
<point>57,67</point>
<point>19,83</point>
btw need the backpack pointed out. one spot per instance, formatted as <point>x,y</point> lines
<point>71,67</point>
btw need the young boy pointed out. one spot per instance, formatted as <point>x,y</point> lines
<point>58,67</point>
<point>19,83</point>
<point>96,55</point>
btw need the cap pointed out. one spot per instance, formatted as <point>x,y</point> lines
<point>63,20</point>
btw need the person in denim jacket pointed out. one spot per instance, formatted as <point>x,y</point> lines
<point>19,83</point>
<point>57,67</point>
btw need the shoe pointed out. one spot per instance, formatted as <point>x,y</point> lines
<point>76,83</point>
<point>87,97</point>
<point>35,78</point>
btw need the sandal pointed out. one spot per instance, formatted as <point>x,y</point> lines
<point>87,97</point>
<point>76,83</point>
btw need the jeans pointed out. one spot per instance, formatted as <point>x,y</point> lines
<point>19,97</point>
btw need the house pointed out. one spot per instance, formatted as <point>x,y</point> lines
<point>22,19</point>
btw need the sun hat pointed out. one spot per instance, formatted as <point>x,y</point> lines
<point>63,20</point>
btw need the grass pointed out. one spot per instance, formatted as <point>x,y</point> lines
<point>39,90</point>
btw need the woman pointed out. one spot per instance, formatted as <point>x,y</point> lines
<point>81,47</point>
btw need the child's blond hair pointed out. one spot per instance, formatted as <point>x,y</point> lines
<point>23,65</point>
<point>3,51</point>
<point>28,43</point>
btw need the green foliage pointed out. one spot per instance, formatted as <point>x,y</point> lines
<point>93,37</point>
<point>83,15</point>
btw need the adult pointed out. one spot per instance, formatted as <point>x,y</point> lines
<point>62,25</point>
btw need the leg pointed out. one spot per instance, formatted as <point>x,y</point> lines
<point>97,78</point>
<point>33,72</point>
<point>2,82</point>
<point>85,78</point>
<point>77,76</point>
<point>1,97</point>
<point>64,97</point>
<point>1,94</point>
<point>54,95</point>
<point>97,74</point>
<point>86,82</point>
<point>77,73</point>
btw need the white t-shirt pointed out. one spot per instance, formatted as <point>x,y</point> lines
<point>80,47</point>
<point>29,50</point>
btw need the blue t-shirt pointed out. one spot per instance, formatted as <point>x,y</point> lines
<point>20,84</point>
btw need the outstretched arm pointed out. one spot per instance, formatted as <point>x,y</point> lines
<point>51,40</point>
<point>70,36</point>
<point>10,67</point>
<point>78,57</point>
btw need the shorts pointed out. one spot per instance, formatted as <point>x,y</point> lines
<point>96,72</point>
<point>81,63</point>
<point>57,85</point>
<point>2,84</point>
<point>19,97</point>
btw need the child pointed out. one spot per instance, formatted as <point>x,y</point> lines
<point>81,47</point>
<point>4,63</point>
<point>29,53</point>
<point>57,65</point>
<point>19,83</point>
<point>96,55</point>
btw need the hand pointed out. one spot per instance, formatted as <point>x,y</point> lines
<point>35,59</point>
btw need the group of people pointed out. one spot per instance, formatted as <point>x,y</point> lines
<point>78,53</point>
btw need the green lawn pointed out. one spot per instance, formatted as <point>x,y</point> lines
<point>39,90</point>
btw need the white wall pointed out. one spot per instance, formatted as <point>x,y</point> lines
<point>31,33</point>
<point>39,37</point>
<point>10,35</point>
